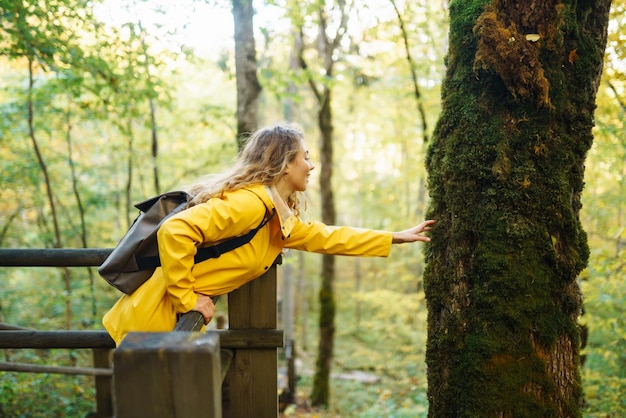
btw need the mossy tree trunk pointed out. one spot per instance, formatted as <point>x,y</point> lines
<point>506,169</point>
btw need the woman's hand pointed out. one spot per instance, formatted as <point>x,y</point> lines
<point>413,234</point>
<point>205,306</point>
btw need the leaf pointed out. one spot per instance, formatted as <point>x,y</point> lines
<point>533,37</point>
<point>573,56</point>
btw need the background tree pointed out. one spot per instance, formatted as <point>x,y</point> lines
<point>328,50</point>
<point>248,87</point>
<point>148,62</point>
<point>37,37</point>
<point>506,175</point>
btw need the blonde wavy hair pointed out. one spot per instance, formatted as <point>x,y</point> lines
<point>263,160</point>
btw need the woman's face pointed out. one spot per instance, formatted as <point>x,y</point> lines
<point>298,171</point>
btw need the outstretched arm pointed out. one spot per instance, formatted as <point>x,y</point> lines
<point>413,234</point>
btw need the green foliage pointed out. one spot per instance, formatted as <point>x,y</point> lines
<point>386,342</point>
<point>25,395</point>
<point>604,370</point>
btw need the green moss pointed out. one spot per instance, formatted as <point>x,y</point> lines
<point>505,177</point>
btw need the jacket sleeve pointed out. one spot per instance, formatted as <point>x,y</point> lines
<point>201,225</point>
<point>339,240</point>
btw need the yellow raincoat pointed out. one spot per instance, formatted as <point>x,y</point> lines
<point>172,287</point>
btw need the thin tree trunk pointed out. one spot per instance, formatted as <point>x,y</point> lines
<point>358,276</point>
<point>327,48</point>
<point>7,224</point>
<point>293,285</point>
<point>248,87</point>
<point>621,103</point>
<point>358,279</point>
<point>44,170</point>
<point>321,385</point>
<point>288,395</point>
<point>411,62</point>
<point>129,172</point>
<point>619,243</point>
<point>506,174</point>
<point>420,201</point>
<point>302,307</point>
<point>81,209</point>
<point>155,147</point>
<point>153,124</point>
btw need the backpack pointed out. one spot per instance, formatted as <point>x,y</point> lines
<point>136,256</point>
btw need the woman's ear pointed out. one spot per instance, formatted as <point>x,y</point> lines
<point>287,168</point>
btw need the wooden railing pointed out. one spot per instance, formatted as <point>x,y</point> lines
<point>244,357</point>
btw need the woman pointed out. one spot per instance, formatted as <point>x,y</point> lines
<point>269,176</point>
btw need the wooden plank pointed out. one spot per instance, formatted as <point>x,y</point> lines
<point>254,384</point>
<point>252,379</point>
<point>254,304</point>
<point>103,359</point>
<point>164,375</point>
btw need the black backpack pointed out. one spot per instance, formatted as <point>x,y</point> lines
<point>136,256</point>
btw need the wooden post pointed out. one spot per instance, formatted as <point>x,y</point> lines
<point>252,379</point>
<point>104,384</point>
<point>288,394</point>
<point>164,375</point>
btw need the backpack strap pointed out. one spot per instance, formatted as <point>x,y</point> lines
<point>214,251</point>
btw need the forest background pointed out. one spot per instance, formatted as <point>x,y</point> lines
<point>78,128</point>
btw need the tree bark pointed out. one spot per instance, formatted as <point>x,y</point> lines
<point>79,206</point>
<point>58,242</point>
<point>414,76</point>
<point>328,49</point>
<point>321,385</point>
<point>506,169</point>
<point>154,138</point>
<point>248,87</point>
<point>129,172</point>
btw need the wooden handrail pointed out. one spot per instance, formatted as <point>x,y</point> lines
<point>253,334</point>
<point>55,339</point>
<point>190,321</point>
<point>230,338</point>
<point>59,257</point>
<point>35,368</point>
<point>53,257</point>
